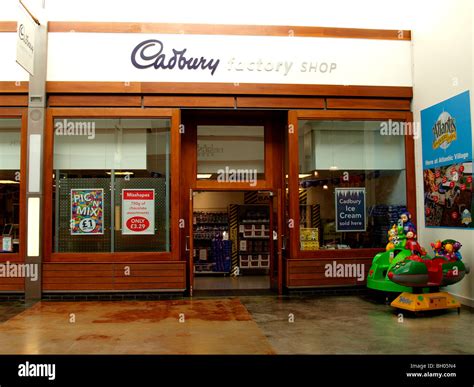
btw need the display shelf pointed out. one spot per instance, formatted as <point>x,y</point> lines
<point>262,268</point>
<point>213,223</point>
<point>207,226</point>
<point>254,237</point>
<point>211,272</point>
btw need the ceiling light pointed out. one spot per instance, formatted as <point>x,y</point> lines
<point>204,175</point>
<point>301,175</point>
<point>325,186</point>
<point>9,182</point>
<point>333,168</point>
<point>121,173</point>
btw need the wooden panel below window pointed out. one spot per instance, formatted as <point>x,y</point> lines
<point>12,284</point>
<point>368,103</point>
<point>114,276</point>
<point>311,273</point>
<point>108,257</point>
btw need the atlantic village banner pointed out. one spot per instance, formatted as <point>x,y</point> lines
<point>447,163</point>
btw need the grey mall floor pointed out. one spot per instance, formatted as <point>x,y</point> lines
<point>260,324</point>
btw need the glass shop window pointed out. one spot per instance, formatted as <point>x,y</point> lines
<point>111,185</point>
<point>352,184</point>
<point>231,153</point>
<point>10,151</point>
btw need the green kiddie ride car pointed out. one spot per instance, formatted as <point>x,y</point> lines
<point>382,263</point>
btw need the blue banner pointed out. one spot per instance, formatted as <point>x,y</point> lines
<point>446,132</point>
<point>350,209</point>
<point>447,162</point>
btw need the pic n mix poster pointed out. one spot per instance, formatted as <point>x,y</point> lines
<point>87,211</point>
<point>447,163</point>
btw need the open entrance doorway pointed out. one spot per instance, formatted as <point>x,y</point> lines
<point>232,188</point>
<point>235,243</point>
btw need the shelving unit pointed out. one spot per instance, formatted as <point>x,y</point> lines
<point>310,227</point>
<point>207,225</point>
<point>254,237</point>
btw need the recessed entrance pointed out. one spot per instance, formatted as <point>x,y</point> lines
<point>233,184</point>
<point>234,240</point>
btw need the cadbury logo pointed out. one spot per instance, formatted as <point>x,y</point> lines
<point>149,53</point>
<point>25,38</point>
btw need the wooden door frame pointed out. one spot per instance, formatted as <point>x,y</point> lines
<point>230,117</point>
<point>293,181</point>
<point>175,162</point>
<point>191,243</point>
<point>22,114</point>
<point>276,224</point>
<point>274,221</point>
<point>274,149</point>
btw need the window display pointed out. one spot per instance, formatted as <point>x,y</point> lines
<point>10,150</point>
<point>352,183</point>
<point>111,183</point>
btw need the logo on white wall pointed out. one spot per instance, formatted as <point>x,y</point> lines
<point>149,53</point>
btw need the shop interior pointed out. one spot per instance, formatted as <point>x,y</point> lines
<point>10,185</point>
<point>231,240</point>
<point>338,155</point>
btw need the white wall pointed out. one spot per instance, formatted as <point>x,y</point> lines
<point>334,13</point>
<point>443,67</point>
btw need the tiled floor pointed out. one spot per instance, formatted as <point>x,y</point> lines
<point>154,327</point>
<point>357,325</point>
<point>242,282</point>
<point>11,309</point>
<point>239,325</point>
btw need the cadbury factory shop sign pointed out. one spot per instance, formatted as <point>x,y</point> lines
<point>25,40</point>
<point>135,57</point>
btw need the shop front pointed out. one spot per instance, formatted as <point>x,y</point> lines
<point>12,193</point>
<point>226,166</point>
